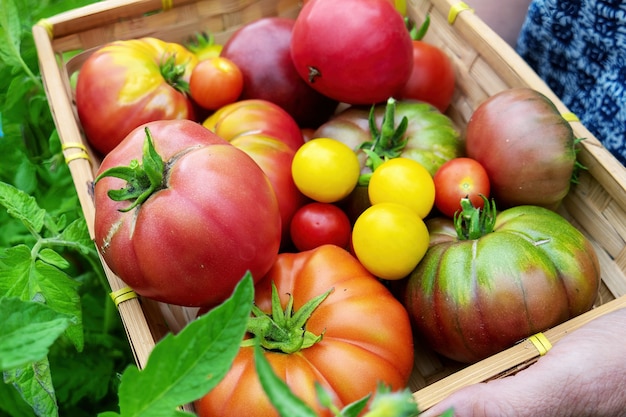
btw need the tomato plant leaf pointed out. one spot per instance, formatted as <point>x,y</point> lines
<point>286,403</point>
<point>22,207</point>
<point>184,367</point>
<point>10,33</point>
<point>33,280</point>
<point>34,382</point>
<point>12,404</point>
<point>28,330</point>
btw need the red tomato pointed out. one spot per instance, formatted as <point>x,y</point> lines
<point>316,224</point>
<point>261,50</point>
<point>355,51</point>
<point>209,216</point>
<point>432,79</point>
<point>271,137</point>
<point>128,83</point>
<point>367,337</point>
<point>215,82</point>
<point>459,178</point>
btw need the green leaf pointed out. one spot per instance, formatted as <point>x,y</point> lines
<point>10,34</point>
<point>28,330</point>
<point>22,206</point>
<point>184,367</point>
<point>282,398</point>
<point>49,256</point>
<point>12,404</point>
<point>34,383</point>
<point>29,280</point>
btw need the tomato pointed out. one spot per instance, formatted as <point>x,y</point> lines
<point>316,224</point>
<point>271,137</point>
<point>352,51</point>
<point>261,49</point>
<point>431,137</point>
<point>191,225</point>
<point>459,178</point>
<point>389,239</point>
<point>246,117</point>
<point>432,79</point>
<point>127,83</point>
<point>325,170</point>
<point>499,279</point>
<point>527,148</point>
<point>367,337</point>
<point>403,181</point>
<point>215,82</point>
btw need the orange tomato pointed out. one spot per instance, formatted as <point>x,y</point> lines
<point>215,82</point>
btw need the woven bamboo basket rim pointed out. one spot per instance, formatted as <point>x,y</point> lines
<point>485,64</point>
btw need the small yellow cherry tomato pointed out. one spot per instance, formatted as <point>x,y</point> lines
<point>325,170</point>
<point>389,239</point>
<point>403,181</point>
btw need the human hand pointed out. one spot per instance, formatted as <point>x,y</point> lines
<point>584,374</point>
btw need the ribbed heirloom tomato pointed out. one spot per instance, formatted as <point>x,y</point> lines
<point>181,214</point>
<point>488,281</point>
<point>348,333</point>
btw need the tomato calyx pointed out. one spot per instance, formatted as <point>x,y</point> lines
<point>387,142</point>
<point>142,179</point>
<point>173,74</point>
<point>418,33</point>
<point>471,222</point>
<point>203,45</point>
<point>283,331</point>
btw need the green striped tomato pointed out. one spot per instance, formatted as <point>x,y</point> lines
<point>473,297</point>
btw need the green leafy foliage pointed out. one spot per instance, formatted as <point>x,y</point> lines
<point>184,367</point>
<point>28,329</point>
<point>52,281</point>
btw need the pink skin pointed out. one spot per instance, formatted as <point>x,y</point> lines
<point>584,374</point>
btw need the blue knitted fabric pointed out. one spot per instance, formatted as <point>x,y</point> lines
<point>579,49</point>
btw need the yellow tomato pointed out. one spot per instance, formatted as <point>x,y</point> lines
<point>389,239</point>
<point>403,181</point>
<point>325,170</point>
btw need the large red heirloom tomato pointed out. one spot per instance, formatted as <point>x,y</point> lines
<point>484,285</point>
<point>344,330</point>
<point>181,214</point>
<point>354,51</point>
<point>128,83</point>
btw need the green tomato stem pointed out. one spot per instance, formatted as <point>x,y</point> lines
<point>173,74</point>
<point>387,142</point>
<point>284,331</point>
<point>471,222</point>
<point>141,180</point>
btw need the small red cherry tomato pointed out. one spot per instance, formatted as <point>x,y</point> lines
<point>316,224</point>
<point>458,178</point>
<point>215,82</point>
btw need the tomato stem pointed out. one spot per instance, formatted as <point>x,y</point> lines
<point>387,142</point>
<point>141,180</point>
<point>173,74</point>
<point>473,222</point>
<point>284,331</point>
<point>418,33</point>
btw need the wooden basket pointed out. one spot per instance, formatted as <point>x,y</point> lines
<point>484,63</point>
